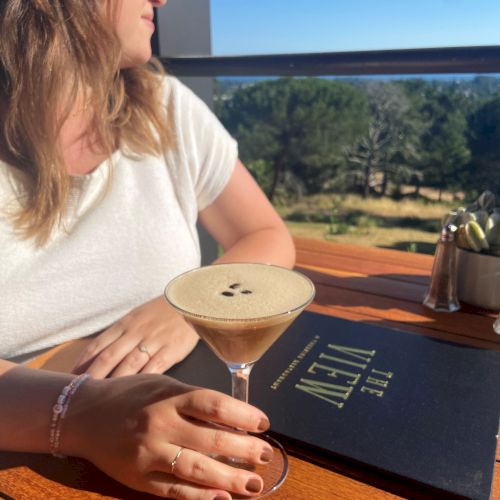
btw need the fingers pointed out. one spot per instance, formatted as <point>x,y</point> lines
<point>219,440</point>
<point>199,469</point>
<point>125,355</point>
<point>89,361</point>
<point>164,358</point>
<point>157,355</point>
<point>213,406</point>
<point>212,422</point>
<point>111,349</point>
<point>135,360</point>
<point>167,486</point>
<point>169,355</point>
<point>159,358</point>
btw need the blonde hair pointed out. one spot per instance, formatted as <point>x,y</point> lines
<point>50,47</point>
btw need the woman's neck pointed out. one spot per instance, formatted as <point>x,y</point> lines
<point>81,152</point>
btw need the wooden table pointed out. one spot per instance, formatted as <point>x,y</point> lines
<point>378,286</point>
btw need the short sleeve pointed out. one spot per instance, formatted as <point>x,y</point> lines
<point>204,147</point>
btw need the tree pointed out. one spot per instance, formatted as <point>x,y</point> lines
<point>484,139</point>
<point>389,145</point>
<point>300,126</point>
<point>445,147</point>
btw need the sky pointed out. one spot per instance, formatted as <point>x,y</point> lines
<point>293,26</point>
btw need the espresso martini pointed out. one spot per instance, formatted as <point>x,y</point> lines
<point>241,309</point>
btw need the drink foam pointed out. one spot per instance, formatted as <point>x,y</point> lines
<point>240,291</point>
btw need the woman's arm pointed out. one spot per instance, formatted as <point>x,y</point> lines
<point>26,400</point>
<point>133,427</point>
<point>246,225</point>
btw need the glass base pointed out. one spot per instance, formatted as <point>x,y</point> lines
<point>273,473</point>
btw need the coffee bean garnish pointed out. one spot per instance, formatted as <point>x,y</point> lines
<point>235,286</point>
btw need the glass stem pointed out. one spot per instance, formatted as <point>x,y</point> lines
<point>240,378</point>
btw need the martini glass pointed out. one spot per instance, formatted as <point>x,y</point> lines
<point>240,310</point>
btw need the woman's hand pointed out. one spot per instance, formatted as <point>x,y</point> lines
<point>149,339</point>
<point>132,428</point>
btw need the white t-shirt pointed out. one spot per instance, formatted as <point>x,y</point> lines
<point>122,243</point>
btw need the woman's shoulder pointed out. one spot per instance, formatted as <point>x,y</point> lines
<point>172,85</point>
<point>175,91</point>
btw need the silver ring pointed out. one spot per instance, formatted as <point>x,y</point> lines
<point>174,461</point>
<point>145,350</point>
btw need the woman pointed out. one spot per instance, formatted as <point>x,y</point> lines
<point>105,168</point>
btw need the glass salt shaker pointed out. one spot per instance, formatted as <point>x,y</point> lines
<point>442,292</point>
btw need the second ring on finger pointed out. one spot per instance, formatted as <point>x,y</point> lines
<point>144,349</point>
<point>141,355</point>
<point>135,361</point>
<point>196,467</point>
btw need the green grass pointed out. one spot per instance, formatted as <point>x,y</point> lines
<point>410,225</point>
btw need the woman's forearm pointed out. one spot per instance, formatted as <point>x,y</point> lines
<point>271,246</point>
<point>26,400</point>
<point>245,223</point>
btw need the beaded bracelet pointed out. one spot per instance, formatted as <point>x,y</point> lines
<point>59,412</point>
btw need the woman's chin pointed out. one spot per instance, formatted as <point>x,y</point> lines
<point>136,59</point>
